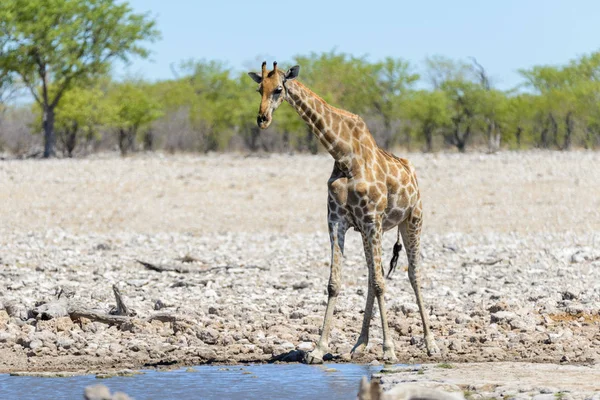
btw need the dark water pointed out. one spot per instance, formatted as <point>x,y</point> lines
<point>286,381</point>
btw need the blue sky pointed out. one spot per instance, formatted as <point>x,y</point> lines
<point>504,35</point>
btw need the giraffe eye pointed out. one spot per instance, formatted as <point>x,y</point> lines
<point>278,90</point>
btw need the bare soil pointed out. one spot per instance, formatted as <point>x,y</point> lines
<point>511,249</point>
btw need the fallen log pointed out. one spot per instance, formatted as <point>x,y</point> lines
<point>77,314</point>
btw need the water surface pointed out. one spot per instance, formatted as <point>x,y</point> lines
<point>283,381</point>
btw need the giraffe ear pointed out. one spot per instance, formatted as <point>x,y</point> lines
<point>255,77</point>
<point>292,73</point>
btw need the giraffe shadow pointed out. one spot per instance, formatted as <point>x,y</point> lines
<point>297,356</point>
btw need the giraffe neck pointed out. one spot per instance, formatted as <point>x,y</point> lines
<point>336,129</point>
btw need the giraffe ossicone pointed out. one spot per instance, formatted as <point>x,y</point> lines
<point>369,190</point>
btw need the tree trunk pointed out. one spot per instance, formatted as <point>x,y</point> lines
<point>428,132</point>
<point>460,141</point>
<point>71,140</point>
<point>311,142</point>
<point>493,137</point>
<point>131,139</point>
<point>254,136</point>
<point>518,135</point>
<point>286,141</point>
<point>569,131</point>
<point>554,129</point>
<point>407,138</point>
<point>149,140</point>
<point>387,133</point>
<point>124,141</point>
<point>544,137</point>
<point>49,137</point>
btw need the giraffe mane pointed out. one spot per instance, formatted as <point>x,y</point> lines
<point>320,99</point>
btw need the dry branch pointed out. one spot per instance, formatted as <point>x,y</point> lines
<point>184,269</point>
<point>121,308</point>
<point>79,313</point>
<point>166,268</point>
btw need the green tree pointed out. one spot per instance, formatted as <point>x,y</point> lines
<point>519,121</point>
<point>214,104</point>
<point>132,112</point>
<point>81,113</point>
<point>63,43</point>
<point>393,83</point>
<point>429,111</point>
<point>459,82</point>
<point>342,80</point>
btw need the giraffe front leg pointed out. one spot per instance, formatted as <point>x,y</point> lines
<point>337,231</point>
<point>389,354</point>
<point>372,244</point>
<point>363,339</point>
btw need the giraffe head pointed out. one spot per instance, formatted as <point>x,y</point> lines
<point>272,90</point>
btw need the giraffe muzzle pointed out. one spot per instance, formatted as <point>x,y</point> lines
<point>263,121</point>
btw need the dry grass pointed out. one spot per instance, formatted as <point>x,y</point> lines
<point>579,317</point>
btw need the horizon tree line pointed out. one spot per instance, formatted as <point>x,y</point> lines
<point>61,53</point>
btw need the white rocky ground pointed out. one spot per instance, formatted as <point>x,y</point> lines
<point>511,270</point>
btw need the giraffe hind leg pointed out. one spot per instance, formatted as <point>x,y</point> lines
<point>411,236</point>
<point>372,244</point>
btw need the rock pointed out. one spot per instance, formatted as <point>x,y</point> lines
<point>159,305</point>
<point>4,317</point>
<point>206,354</point>
<point>97,392</point>
<point>64,324</point>
<point>297,314</point>
<point>115,348</point>
<point>120,396</point>
<point>7,337</point>
<point>208,335</point>
<point>503,316</point>
<point>65,343</point>
<point>518,323</point>
<point>16,309</point>
<point>305,346</point>
<point>301,285</point>
<point>577,257</point>
<point>286,346</point>
<point>409,309</point>
<point>213,310</point>
<point>51,310</point>
<point>568,295</point>
<point>544,397</point>
<point>405,391</point>
<point>499,306</point>
<point>455,345</point>
<point>462,319</point>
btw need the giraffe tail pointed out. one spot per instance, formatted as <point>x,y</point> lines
<point>394,260</point>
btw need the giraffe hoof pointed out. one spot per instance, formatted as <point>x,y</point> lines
<point>358,348</point>
<point>389,356</point>
<point>432,348</point>
<point>313,357</point>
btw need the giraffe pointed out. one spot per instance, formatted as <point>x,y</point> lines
<point>369,190</point>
